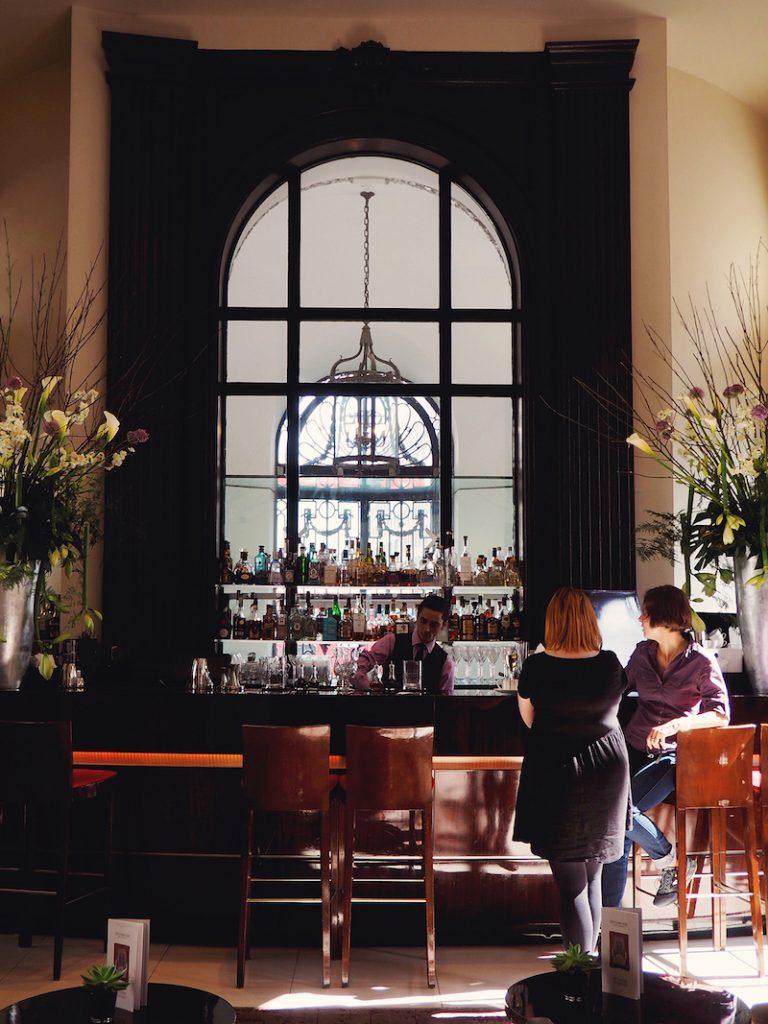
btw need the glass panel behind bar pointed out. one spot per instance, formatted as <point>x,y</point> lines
<point>482,354</point>
<point>256,351</point>
<point>413,347</point>
<point>484,493</point>
<point>480,274</point>
<point>258,270</point>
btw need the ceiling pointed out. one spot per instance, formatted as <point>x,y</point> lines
<point>721,41</point>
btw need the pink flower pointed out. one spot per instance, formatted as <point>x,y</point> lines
<point>664,427</point>
<point>139,436</point>
<point>696,392</point>
<point>759,412</point>
<point>732,390</point>
<point>13,383</point>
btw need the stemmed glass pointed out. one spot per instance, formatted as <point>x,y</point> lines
<point>460,658</point>
<point>483,656</point>
<point>473,654</point>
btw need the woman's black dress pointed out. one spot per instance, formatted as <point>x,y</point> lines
<point>573,798</point>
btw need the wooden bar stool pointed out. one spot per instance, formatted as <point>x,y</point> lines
<point>714,772</point>
<point>285,768</point>
<point>389,769</point>
<point>38,781</point>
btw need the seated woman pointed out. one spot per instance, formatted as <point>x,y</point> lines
<point>679,687</point>
<point>573,798</point>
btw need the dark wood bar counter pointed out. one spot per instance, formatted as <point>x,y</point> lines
<point>177,820</point>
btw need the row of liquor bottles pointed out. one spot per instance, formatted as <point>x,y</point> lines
<point>468,620</point>
<point>356,567</point>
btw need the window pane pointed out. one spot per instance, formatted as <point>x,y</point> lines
<point>482,353</point>
<point>252,481</point>
<point>256,351</point>
<point>484,482</point>
<point>258,272</point>
<point>403,233</point>
<point>480,275</point>
<point>413,348</point>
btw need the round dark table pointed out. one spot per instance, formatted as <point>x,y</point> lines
<point>665,1000</point>
<point>166,1004</point>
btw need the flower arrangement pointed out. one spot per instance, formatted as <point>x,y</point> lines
<point>56,442</point>
<point>710,434</point>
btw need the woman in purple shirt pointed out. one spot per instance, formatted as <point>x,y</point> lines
<point>678,688</point>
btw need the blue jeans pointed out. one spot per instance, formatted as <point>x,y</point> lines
<point>653,779</point>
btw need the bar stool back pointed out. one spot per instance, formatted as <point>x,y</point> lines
<point>36,775</point>
<point>714,772</point>
<point>389,769</point>
<point>285,768</point>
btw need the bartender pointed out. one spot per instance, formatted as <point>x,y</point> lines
<point>438,670</point>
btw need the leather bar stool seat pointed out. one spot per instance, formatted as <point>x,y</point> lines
<point>389,769</point>
<point>37,781</point>
<point>285,769</point>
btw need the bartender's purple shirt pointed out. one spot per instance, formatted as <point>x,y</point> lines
<point>691,684</point>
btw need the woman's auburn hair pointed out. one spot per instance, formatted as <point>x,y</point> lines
<point>571,624</point>
<point>667,606</point>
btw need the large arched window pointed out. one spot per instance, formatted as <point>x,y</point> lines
<point>370,363</point>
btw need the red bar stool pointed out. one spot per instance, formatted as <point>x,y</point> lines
<point>714,772</point>
<point>285,769</point>
<point>389,769</point>
<point>37,777</point>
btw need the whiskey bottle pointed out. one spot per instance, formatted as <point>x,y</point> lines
<point>276,569</point>
<point>467,621</point>
<point>268,624</point>
<point>289,568</point>
<point>409,574</point>
<point>359,622</point>
<point>225,620</point>
<point>403,621</point>
<point>281,631</point>
<point>226,573</point>
<point>511,573</point>
<point>346,627</point>
<point>254,622</point>
<point>296,623</point>
<point>492,622</point>
<point>242,570</point>
<point>454,622</point>
<point>481,632</point>
<point>239,627</point>
<point>393,570</point>
<point>481,573</point>
<point>505,621</point>
<point>465,566</point>
<point>496,570</point>
<point>379,568</point>
<point>517,617</point>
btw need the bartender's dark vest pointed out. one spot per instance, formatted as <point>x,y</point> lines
<point>431,665</point>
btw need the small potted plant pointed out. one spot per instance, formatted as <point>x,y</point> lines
<point>576,967</point>
<point>102,983</point>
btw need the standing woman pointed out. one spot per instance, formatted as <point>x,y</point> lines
<point>573,797</point>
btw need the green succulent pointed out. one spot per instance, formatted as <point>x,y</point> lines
<point>105,976</point>
<point>575,959</point>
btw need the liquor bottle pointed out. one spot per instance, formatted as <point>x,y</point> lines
<point>511,573</point>
<point>296,623</point>
<point>481,573</point>
<point>343,568</point>
<point>517,617</point>
<point>492,622</point>
<point>354,564</point>
<point>366,568</point>
<point>403,621</point>
<point>268,623</point>
<point>467,621</point>
<point>254,622</point>
<point>481,632</point>
<point>260,566</point>
<point>226,574</point>
<point>379,568</point>
<point>289,567</point>
<point>302,567</point>
<point>505,621</point>
<point>276,569</point>
<point>391,684</point>
<point>346,627</point>
<point>393,570</point>
<point>310,626</point>
<point>329,629</point>
<point>242,570</point>
<point>409,573</point>
<point>359,622</point>
<point>331,570</point>
<point>465,566</point>
<point>427,569</point>
<point>454,621</point>
<point>225,620</point>
<point>313,570</point>
<point>387,624</point>
<point>281,631</point>
<point>239,627</point>
<point>496,570</point>
<point>335,609</point>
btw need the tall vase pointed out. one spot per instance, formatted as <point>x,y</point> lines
<point>17,626</point>
<point>752,613</point>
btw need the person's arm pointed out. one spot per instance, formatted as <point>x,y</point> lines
<point>526,709</point>
<point>447,676</point>
<point>376,654</point>
<point>714,711</point>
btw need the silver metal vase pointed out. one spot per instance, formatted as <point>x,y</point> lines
<point>752,612</point>
<point>17,625</point>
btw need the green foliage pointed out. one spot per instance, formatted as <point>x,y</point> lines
<point>574,959</point>
<point>660,536</point>
<point>105,976</point>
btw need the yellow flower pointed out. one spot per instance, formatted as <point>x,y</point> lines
<point>48,384</point>
<point>640,442</point>
<point>732,523</point>
<point>55,423</point>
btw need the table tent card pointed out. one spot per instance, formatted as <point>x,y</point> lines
<point>621,951</point>
<point>128,947</point>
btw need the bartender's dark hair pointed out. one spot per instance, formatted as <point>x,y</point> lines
<point>435,603</point>
<point>667,606</point>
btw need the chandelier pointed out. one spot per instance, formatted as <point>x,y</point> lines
<point>366,434</point>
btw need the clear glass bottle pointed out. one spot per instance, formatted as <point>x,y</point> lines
<point>393,570</point>
<point>481,573</point>
<point>465,565</point>
<point>409,573</point>
<point>276,569</point>
<point>496,570</point>
<point>243,572</point>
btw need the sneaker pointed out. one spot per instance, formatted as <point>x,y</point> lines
<point>667,891</point>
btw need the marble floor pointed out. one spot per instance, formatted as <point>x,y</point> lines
<point>288,979</point>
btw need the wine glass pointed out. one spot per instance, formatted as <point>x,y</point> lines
<point>460,658</point>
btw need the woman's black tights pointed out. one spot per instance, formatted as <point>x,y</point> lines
<point>578,883</point>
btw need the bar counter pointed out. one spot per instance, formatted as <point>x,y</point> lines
<point>178,824</point>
